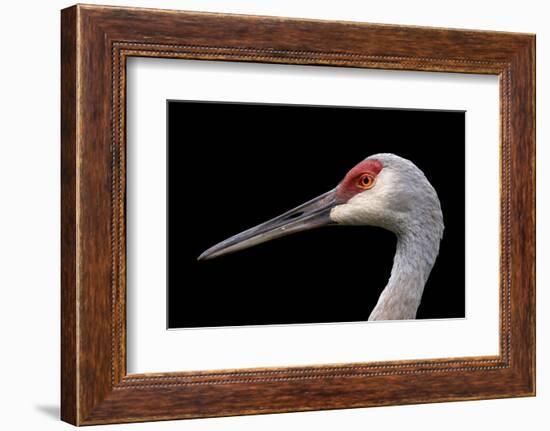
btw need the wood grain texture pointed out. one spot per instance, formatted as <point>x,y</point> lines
<point>96,41</point>
<point>69,398</point>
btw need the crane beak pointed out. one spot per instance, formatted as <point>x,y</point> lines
<point>309,215</point>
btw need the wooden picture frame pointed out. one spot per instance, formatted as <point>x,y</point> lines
<point>95,43</point>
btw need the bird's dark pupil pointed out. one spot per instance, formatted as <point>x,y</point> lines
<point>366,181</point>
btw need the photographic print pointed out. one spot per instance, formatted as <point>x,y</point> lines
<point>297,214</point>
<point>318,215</point>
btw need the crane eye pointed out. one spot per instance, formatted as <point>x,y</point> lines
<point>366,181</point>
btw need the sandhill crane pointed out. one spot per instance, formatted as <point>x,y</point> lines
<point>384,190</point>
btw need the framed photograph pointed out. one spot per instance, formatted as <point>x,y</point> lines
<point>264,214</point>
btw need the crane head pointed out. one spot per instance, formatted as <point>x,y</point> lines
<point>383,190</point>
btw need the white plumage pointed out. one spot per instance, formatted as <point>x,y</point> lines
<point>398,197</point>
<point>404,202</point>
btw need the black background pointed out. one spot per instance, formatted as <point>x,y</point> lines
<point>232,166</point>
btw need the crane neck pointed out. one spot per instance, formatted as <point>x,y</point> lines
<point>415,255</point>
